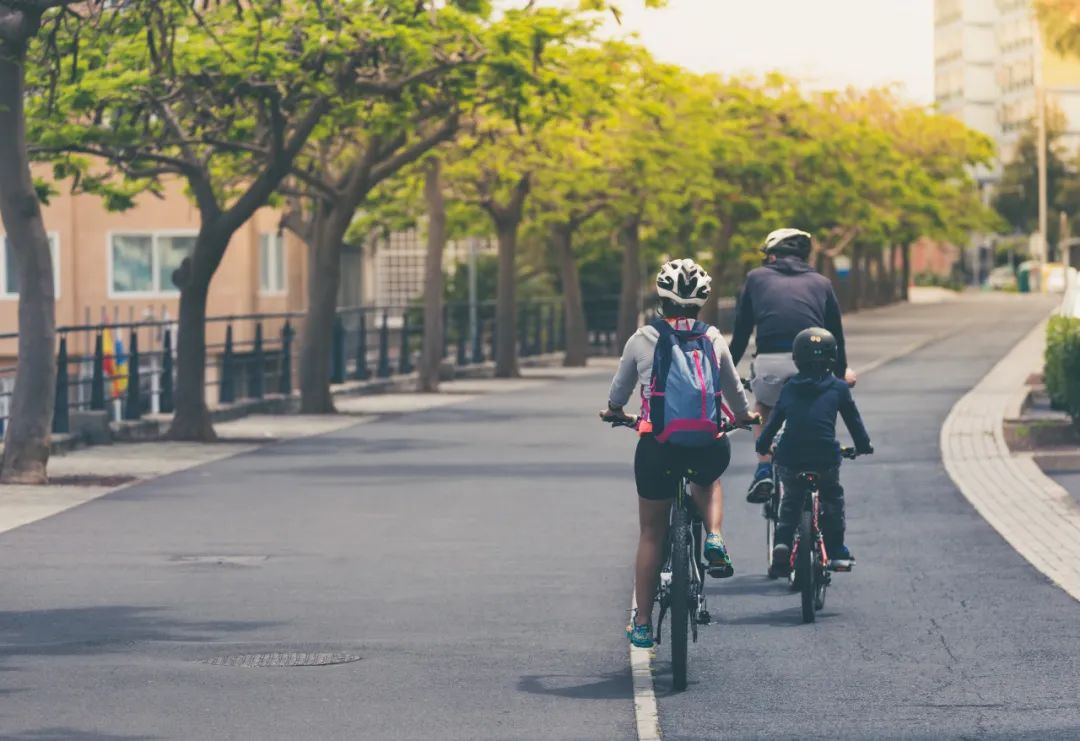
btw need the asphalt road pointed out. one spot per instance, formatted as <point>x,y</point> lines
<point>477,559</point>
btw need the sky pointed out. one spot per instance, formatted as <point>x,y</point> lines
<point>825,43</point>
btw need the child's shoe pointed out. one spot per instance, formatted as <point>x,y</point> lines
<point>841,559</point>
<point>762,485</point>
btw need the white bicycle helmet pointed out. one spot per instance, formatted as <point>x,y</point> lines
<point>684,282</point>
<point>791,241</point>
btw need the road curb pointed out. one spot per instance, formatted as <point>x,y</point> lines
<point>1031,511</point>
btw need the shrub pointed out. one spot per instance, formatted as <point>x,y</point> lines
<point>1062,369</point>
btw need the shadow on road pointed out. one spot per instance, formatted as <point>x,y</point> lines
<point>71,734</point>
<point>761,586</point>
<point>614,686</point>
<point>107,629</point>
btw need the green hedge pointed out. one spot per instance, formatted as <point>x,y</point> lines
<point>1062,369</point>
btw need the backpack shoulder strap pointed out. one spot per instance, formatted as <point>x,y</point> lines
<point>661,326</point>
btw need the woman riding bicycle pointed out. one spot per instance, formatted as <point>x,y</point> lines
<point>683,287</point>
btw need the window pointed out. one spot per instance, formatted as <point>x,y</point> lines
<point>9,273</point>
<point>271,263</point>
<point>144,263</point>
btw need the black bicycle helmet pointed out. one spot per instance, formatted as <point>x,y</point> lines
<point>814,351</point>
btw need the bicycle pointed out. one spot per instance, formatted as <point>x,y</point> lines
<point>811,569</point>
<point>681,588</point>
<point>770,510</point>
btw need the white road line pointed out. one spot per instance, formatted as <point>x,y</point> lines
<point>646,713</point>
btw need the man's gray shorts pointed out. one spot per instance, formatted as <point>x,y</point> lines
<point>768,373</point>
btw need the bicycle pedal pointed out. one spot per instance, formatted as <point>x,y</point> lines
<point>721,572</point>
<point>841,566</point>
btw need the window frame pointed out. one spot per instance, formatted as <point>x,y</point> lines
<point>54,249</point>
<point>156,290</point>
<point>274,240</point>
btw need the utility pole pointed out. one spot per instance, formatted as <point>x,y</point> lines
<point>1040,119</point>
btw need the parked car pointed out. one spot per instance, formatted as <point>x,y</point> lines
<point>1001,278</point>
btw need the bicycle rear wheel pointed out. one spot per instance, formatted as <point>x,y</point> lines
<point>804,568</point>
<point>680,595</point>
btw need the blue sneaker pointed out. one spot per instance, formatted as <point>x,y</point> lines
<point>640,635</point>
<point>841,559</point>
<point>716,554</point>
<point>761,487</point>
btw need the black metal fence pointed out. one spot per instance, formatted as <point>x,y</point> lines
<point>127,369</point>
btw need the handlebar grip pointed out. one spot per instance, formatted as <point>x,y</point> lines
<point>849,453</point>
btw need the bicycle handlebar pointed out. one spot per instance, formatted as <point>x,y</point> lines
<point>632,422</point>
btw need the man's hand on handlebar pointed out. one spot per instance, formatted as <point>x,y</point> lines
<point>749,420</point>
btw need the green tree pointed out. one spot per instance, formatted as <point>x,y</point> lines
<point>26,446</point>
<point>221,96</point>
<point>1016,196</point>
<point>427,71</point>
<point>493,164</point>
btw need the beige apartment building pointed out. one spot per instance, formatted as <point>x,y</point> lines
<point>990,59</point>
<point>119,265</point>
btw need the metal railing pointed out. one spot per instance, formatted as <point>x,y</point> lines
<point>128,369</point>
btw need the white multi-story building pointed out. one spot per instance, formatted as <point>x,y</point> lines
<point>989,59</point>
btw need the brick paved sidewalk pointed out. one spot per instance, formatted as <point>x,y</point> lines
<point>1032,512</point>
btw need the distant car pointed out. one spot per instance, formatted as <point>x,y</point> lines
<point>1001,278</point>
<point>1057,279</point>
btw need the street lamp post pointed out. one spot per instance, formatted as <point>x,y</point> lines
<point>1040,119</point>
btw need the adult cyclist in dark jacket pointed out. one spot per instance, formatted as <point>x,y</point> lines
<point>779,300</point>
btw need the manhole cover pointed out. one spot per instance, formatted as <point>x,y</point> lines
<point>286,659</point>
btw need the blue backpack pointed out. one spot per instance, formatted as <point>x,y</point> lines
<point>685,404</point>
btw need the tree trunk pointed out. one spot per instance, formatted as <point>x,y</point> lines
<point>894,289</point>
<point>506,349</point>
<point>630,295</point>
<point>191,420</point>
<point>507,218</point>
<point>577,337</point>
<point>881,278</point>
<point>905,256</point>
<point>856,278</point>
<point>316,344</point>
<point>26,446</point>
<point>721,261</point>
<point>434,332</point>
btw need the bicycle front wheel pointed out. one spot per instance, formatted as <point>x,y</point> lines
<point>680,595</point>
<point>804,568</point>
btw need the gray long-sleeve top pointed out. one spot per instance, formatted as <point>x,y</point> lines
<point>635,370</point>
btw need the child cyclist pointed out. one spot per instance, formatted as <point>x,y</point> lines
<point>696,363</point>
<point>808,405</point>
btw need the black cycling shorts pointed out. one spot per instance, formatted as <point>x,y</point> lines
<point>659,467</point>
